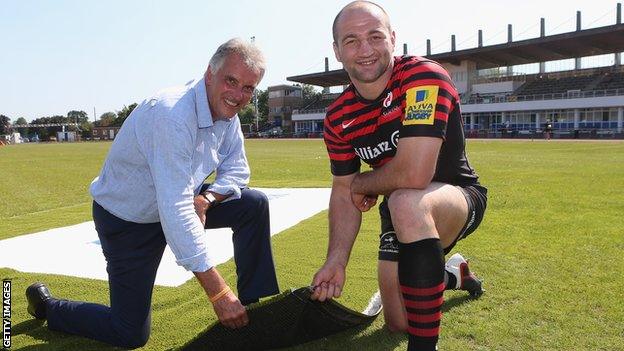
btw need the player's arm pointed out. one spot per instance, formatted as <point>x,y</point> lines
<point>429,97</point>
<point>344,224</point>
<point>412,167</point>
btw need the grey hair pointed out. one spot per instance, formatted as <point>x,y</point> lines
<point>249,53</point>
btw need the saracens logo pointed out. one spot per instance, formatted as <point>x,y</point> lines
<point>388,100</point>
<point>386,111</point>
<point>369,153</point>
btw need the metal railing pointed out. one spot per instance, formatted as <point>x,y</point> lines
<point>573,94</point>
<point>539,97</point>
<point>307,112</point>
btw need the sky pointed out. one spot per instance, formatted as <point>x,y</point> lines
<point>62,55</point>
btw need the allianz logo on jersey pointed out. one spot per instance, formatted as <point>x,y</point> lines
<point>369,153</point>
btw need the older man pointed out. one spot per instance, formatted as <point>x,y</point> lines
<point>151,193</point>
<point>401,116</point>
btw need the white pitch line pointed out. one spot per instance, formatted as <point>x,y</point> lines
<point>75,250</point>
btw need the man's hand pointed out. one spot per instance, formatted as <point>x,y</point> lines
<point>201,206</point>
<point>230,311</point>
<point>328,281</point>
<point>228,308</point>
<point>363,202</point>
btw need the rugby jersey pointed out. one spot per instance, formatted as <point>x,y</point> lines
<point>419,100</point>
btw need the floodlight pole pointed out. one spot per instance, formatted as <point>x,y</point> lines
<point>256,107</point>
<point>253,40</point>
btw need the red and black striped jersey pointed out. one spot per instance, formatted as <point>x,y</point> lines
<point>419,100</point>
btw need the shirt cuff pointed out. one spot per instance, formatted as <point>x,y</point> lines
<point>198,263</point>
<point>233,191</point>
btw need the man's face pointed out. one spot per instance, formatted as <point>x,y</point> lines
<point>364,44</point>
<point>231,87</point>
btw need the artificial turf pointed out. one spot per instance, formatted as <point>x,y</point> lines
<point>549,248</point>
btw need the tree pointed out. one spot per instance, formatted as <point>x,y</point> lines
<point>47,132</point>
<point>247,114</point>
<point>21,121</point>
<point>77,117</point>
<point>106,119</point>
<point>263,104</point>
<point>310,94</point>
<point>5,125</point>
<point>86,130</point>
<point>123,114</point>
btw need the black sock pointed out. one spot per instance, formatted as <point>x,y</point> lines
<point>421,276</point>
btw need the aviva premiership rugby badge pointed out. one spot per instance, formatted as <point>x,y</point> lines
<point>420,105</point>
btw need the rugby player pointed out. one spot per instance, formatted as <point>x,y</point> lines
<point>401,116</point>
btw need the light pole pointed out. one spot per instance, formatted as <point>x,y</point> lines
<point>256,107</point>
<point>253,40</point>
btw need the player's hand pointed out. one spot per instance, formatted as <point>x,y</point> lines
<point>201,206</point>
<point>328,281</point>
<point>363,202</point>
<point>230,311</point>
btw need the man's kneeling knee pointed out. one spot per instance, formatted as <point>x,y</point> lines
<point>134,339</point>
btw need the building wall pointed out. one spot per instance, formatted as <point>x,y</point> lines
<point>283,99</point>
<point>462,75</point>
<point>105,133</point>
<point>496,87</point>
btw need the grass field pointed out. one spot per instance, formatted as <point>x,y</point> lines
<point>550,247</point>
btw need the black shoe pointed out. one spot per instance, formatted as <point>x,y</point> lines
<point>37,294</point>
<point>466,280</point>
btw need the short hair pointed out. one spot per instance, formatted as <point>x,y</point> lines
<point>353,4</point>
<point>249,53</point>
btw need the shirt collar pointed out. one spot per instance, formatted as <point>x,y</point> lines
<point>202,107</point>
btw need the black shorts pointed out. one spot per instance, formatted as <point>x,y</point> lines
<point>476,197</point>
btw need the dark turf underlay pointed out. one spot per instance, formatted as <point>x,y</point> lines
<point>288,319</point>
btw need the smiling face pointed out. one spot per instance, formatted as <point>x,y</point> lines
<point>231,87</point>
<point>364,43</point>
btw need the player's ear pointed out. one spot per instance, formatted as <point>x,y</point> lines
<point>393,39</point>
<point>337,52</point>
<point>208,76</point>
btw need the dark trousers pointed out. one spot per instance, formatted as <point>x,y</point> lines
<point>133,252</point>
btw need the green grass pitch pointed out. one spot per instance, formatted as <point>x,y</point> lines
<point>549,249</point>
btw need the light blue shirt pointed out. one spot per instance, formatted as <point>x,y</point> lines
<point>162,155</point>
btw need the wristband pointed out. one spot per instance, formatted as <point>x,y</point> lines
<point>210,198</point>
<point>221,293</point>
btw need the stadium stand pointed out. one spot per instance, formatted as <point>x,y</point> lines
<point>611,81</point>
<point>498,101</point>
<point>552,86</point>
